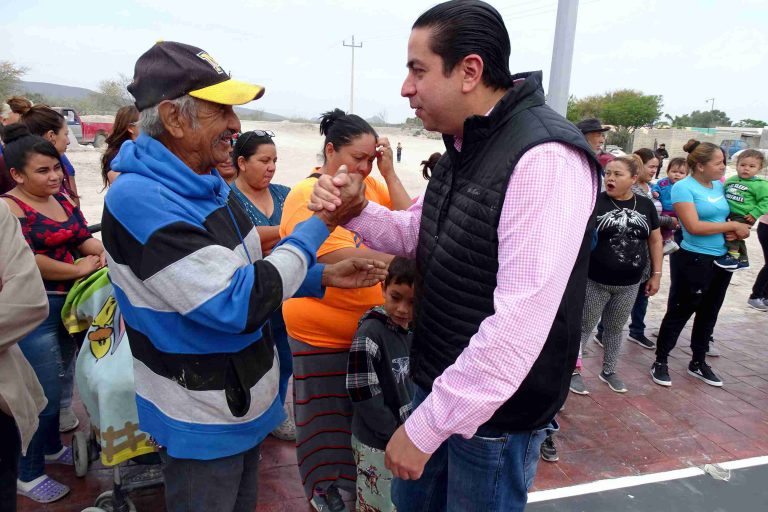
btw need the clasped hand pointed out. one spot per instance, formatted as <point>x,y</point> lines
<point>337,199</point>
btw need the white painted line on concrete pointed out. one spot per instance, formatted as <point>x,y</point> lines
<point>611,484</point>
<point>745,463</point>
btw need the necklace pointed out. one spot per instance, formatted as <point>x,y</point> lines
<point>619,208</point>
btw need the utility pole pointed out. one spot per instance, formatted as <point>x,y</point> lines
<point>562,55</point>
<point>712,107</point>
<point>352,80</point>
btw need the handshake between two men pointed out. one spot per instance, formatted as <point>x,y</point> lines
<point>335,200</point>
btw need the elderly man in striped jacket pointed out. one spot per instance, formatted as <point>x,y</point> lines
<point>193,287</point>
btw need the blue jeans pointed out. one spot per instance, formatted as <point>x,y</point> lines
<point>68,383</point>
<point>490,472</point>
<point>49,349</point>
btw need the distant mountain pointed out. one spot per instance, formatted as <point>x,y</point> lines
<point>257,115</point>
<point>376,121</point>
<point>56,91</point>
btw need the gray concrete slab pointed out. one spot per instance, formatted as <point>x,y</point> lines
<point>746,491</point>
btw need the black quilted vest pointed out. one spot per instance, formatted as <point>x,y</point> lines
<point>458,252</point>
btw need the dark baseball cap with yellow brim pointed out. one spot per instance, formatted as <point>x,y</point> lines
<point>170,70</point>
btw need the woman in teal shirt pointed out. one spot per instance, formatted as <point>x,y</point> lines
<point>697,286</point>
<point>255,158</point>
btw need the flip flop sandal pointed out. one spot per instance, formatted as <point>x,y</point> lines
<point>47,491</point>
<point>66,458</point>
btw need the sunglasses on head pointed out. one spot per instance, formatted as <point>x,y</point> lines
<point>253,133</point>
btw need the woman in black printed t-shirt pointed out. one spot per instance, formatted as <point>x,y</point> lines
<point>627,235</point>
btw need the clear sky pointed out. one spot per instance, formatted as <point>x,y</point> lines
<point>685,50</point>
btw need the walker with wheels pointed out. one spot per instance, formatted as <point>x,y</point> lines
<point>104,374</point>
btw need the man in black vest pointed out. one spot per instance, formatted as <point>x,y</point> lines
<point>502,238</point>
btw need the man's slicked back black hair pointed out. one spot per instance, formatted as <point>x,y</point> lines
<point>464,27</point>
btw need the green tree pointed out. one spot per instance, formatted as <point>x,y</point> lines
<point>36,97</point>
<point>631,109</point>
<point>621,137</point>
<point>625,108</point>
<point>10,74</point>
<point>112,95</point>
<point>413,121</point>
<point>591,106</point>
<point>751,123</point>
<point>702,119</point>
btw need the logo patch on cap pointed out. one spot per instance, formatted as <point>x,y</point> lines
<point>210,60</point>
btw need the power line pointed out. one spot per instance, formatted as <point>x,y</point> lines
<point>352,80</point>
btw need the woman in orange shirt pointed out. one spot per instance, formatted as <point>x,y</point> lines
<point>320,331</point>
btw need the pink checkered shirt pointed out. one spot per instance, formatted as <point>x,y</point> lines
<point>550,197</point>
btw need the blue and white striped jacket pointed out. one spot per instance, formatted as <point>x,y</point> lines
<point>195,293</point>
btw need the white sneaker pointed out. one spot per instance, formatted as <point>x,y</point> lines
<point>286,431</point>
<point>670,246</point>
<point>758,304</point>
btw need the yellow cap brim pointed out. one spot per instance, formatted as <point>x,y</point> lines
<point>229,92</point>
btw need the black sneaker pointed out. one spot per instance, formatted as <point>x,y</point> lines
<point>743,265</point>
<point>642,341</point>
<point>704,372</point>
<point>548,450</point>
<point>727,262</point>
<point>660,374</point>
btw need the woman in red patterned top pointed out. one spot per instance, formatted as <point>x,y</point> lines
<point>55,230</point>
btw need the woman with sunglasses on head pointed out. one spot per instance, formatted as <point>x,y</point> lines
<point>254,158</point>
<point>126,127</point>
<point>54,228</point>
<point>320,331</point>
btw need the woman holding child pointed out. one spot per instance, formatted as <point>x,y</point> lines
<point>320,331</point>
<point>698,286</point>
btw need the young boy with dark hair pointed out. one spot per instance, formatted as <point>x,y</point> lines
<point>379,383</point>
